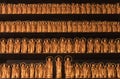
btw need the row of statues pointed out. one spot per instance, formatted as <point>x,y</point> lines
<point>68,68</point>
<point>62,45</point>
<point>92,70</point>
<point>32,70</point>
<point>60,8</point>
<point>59,26</point>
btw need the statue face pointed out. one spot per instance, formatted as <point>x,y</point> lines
<point>49,59</point>
<point>58,59</point>
<point>17,40</point>
<point>68,59</point>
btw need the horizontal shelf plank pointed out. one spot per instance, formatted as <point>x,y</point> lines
<point>61,34</point>
<point>75,57</point>
<point>59,1</point>
<point>60,17</point>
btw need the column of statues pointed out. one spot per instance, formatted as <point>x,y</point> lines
<point>59,26</point>
<point>62,45</point>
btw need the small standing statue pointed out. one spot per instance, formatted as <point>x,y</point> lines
<point>2,27</point>
<point>23,27</point>
<point>118,70</point>
<point>39,27</point>
<point>2,46</point>
<point>86,70</point>
<point>4,71</point>
<point>112,46</point>
<point>32,70</point>
<point>62,45</point>
<point>17,46</point>
<point>54,45</point>
<point>8,27</point>
<point>77,70</point>
<point>74,27</point>
<point>49,68</point>
<point>59,29</point>
<point>8,71</point>
<point>90,46</point>
<point>38,46</point>
<point>46,46</point>
<point>99,26</point>
<point>97,46</point>
<point>68,67</point>
<point>76,45</point>
<point>28,26</point>
<point>23,70</point>
<point>9,46</point>
<point>114,26</point>
<point>64,27</point>
<point>69,26</point>
<point>13,29</point>
<point>111,70</point>
<point>82,43</point>
<point>69,45</point>
<point>31,46</point>
<point>94,70</point>
<point>104,46</point>
<point>40,70</point>
<point>18,26</point>
<point>118,45</point>
<point>15,71</point>
<point>27,71</point>
<point>24,46</point>
<point>58,67</point>
<point>100,69</point>
<point>44,27</point>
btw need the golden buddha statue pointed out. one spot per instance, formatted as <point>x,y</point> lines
<point>4,70</point>
<point>17,45</point>
<point>9,46</point>
<point>82,43</point>
<point>69,45</point>
<point>118,70</point>
<point>49,67</point>
<point>111,70</point>
<point>64,26</point>
<point>46,46</point>
<point>3,46</point>
<point>54,45</point>
<point>23,70</point>
<point>94,71</point>
<point>97,45</point>
<point>38,46</point>
<point>76,45</point>
<point>90,45</point>
<point>104,46</point>
<point>15,71</point>
<point>68,67</point>
<point>62,45</point>
<point>117,45</point>
<point>31,46</point>
<point>86,70</point>
<point>74,27</point>
<point>58,67</point>
<point>112,46</point>
<point>77,70</point>
<point>32,70</point>
<point>24,46</point>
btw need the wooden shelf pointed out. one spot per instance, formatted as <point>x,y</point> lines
<point>59,35</point>
<point>100,57</point>
<point>60,17</point>
<point>59,1</point>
